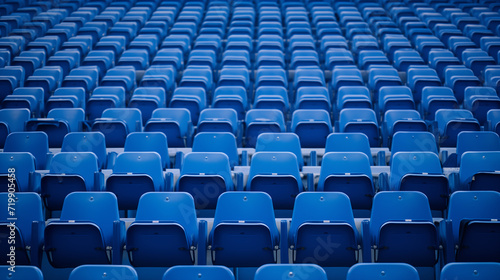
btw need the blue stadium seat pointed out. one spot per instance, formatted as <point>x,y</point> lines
<point>395,97</point>
<point>493,118</point>
<point>450,122</point>
<point>289,271</point>
<point>33,142</point>
<point>123,76</point>
<point>276,173</point>
<point>312,126</point>
<point>86,271</point>
<point>169,57</point>
<point>379,271</point>
<point>366,58</point>
<point>135,173</point>
<point>275,76</point>
<point>478,170</point>
<point>338,56</point>
<point>86,142</point>
<point>12,120</point>
<point>208,272</point>
<point>30,98</point>
<point>67,60</point>
<point>305,76</point>
<point>163,217</point>
<point>271,97</point>
<point>317,215</point>
<point>26,180</point>
<point>474,226</point>
<point>262,120</point>
<point>479,100</point>
<point>26,209</point>
<point>233,97</point>
<point>192,98</point>
<point>244,231</point>
<point>21,272</point>
<point>148,99</point>
<point>404,59</point>
<point>103,59</point>
<point>148,142</point>
<point>349,142</point>
<point>218,120</point>
<point>68,97</point>
<point>353,97</point>
<point>11,78</point>
<point>116,44</point>
<point>88,232</point>
<point>49,78</point>
<point>465,270</point>
<point>477,60</point>
<point>379,76</point>
<point>205,175</point>
<point>360,120</point>
<point>29,60</point>
<point>419,77</point>
<point>458,78</point>
<point>224,142</point>
<point>280,142</point>
<point>402,229</point>
<point>175,123</point>
<point>103,98</point>
<point>435,98</point>
<point>401,120</point>
<point>312,98</point>
<point>85,77</point>
<point>117,123</point>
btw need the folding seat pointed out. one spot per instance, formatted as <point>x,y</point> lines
<point>400,120</point>
<point>208,42</point>
<point>477,60</point>
<point>280,142</point>
<point>67,60</point>
<point>465,270</point>
<point>435,98</point>
<point>338,56</point>
<point>200,76</point>
<point>312,98</point>
<point>476,31</point>
<point>83,272</point>
<point>251,215</point>
<point>117,123</point>
<point>305,76</point>
<point>270,58</point>
<point>262,120</point>
<point>480,100</point>
<point>30,98</point>
<point>235,75</point>
<point>191,98</point>
<point>12,120</point>
<point>364,43</point>
<point>160,76</point>
<point>126,29</point>
<point>86,142</point>
<point>208,272</point>
<point>70,172</point>
<point>353,97</point>
<point>450,122</point>
<point>491,45</point>
<point>103,59</point>
<point>175,123</point>
<point>63,30</point>
<point>149,43</point>
<point>233,97</point>
<point>217,142</point>
<point>21,272</point>
<point>458,44</point>
<point>116,44</point>
<point>477,170</point>
<point>378,271</point>
<point>149,142</point>
<point>169,57</point>
<point>469,141</point>
<point>392,43</point>
<point>95,29</point>
<point>360,120</point>
<point>27,232</point>
<point>404,59</point>
<point>458,78</point>
<point>332,41</point>
<point>472,224</point>
<point>239,42</point>
<point>14,44</point>
<point>350,173</point>
<point>446,30</point>
<point>11,78</point>
<point>58,123</point>
<point>267,32</point>
<point>205,175</point>
<point>493,120</point>
<point>403,217</point>
<point>309,122</point>
<point>301,42</point>
<point>29,60</point>
<point>419,77</point>
<point>86,77</point>
<point>218,120</point>
<point>103,98</point>
<point>93,215</point>
<point>346,76</point>
<point>289,271</point>
<point>379,76</point>
<point>275,76</point>
<point>349,142</point>
<point>395,98</point>
<point>147,99</point>
<point>137,58</point>
<point>34,142</point>
<point>155,27</point>
<point>160,217</point>
<point>124,76</point>
<point>199,57</point>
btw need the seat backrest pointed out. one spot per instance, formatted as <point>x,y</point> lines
<point>475,162</point>
<point>413,141</point>
<point>14,118</point>
<point>349,142</point>
<point>131,116</point>
<point>340,163</point>
<point>382,271</point>
<point>86,142</point>
<point>202,272</point>
<point>208,163</point>
<point>472,270</point>
<point>282,163</point>
<point>100,208</point>
<point>290,271</point>
<point>21,272</point>
<point>33,142</point>
<point>224,142</point>
<point>280,142</point>
<point>265,115</point>
<point>172,207</point>
<point>476,141</point>
<point>472,205</point>
<point>141,163</point>
<point>80,163</point>
<point>84,272</point>
<point>74,116</point>
<point>23,163</point>
<point>320,207</point>
<point>148,142</point>
<point>246,206</point>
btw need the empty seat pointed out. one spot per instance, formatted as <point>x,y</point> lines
<point>378,271</point>
<point>207,272</point>
<point>117,123</point>
<point>68,97</point>
<point>244,231</point>
<point>148,142</point>
<point>83,272</point>
<point>360,120</point>
<point>33,142</point>
<point>312,127</point>
<point>420,77</point>
<point>401,120</point>
<point>85,232</point>
<point>103,98</point>
<point>451,122</point>
<point>147,99</point>
<point>465,270</point>
<point>23,165</point>
<point>30,98</point>
<point>379,76</point>
<point>218,120</point>
<point>316,216</point>
<point>86,142</point>
<point>479,100</point>
<point>12,120</point>
<point>402,229</point>
<point>435,98</point>
<point>458,78</point>
<point>175,123</point>
<point>474,227</point>
<point>21,272</point>
<point>493,118</point>
<point>224,142</point>
<point>478,170</point>
<point>312,98</point>
<point>233,97</point>
<point>280,142</point>
<point>289,271</point>
<point>262,120</point>
<point>165,231</point>
<point>353,97</point>
<point>192,98</point>
<point>271,97</point>
<point>205,175</point>
<point>23,220</point>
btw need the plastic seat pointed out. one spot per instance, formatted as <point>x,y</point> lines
<point>86,142</point>
<point>402,229</point>
<point>236,59</point>
<point>360,120</point>
<point>205,175</point>
<point>217,142</point>
<point>218,120</point>
<point>270,58</point>
<point>233,97</point>
<point>478,170</point>
<point>480,100</point>
<point>466,270</point>
<point>271,97</point>
<point>117,123</point>
<point>161,217</point>
<point>309,122</point>
<point>349,142</point>
<point>275,76</point>
<point>450,122</point>
<point>169,57</point>
<point>332,41</point>
<point>379,76</point>
<point>477,60</point>
<point>404,59</point>
<point>312,98</point>
<point>123,76</point>
<point>175,123</point>
<point>199,57</point>
<point>262,120</point>
<point>338,56</point>
<point>473,216</point>
<point>21,272</point>
<point>289,271</point>
<point>116,44</point>
<point>12,120</point>
<point>70,97</point>
<point>208,272</point>
<point>493,119</point>
<point>413,141</point>
<point>27,232</point>
<point>147,99</point>
<point>86,77</point>
<point>36,143</point>
<point>318,213</point>
<point>459,78</point>
<point>401,120</point>
<point>378,271</point>
<point>353,97</point>
<point>26,97</point>
<point>88,232</point>
<point>280,142</point>
<point>250,243</point>
<point>160,76</point>
<point>11,78</point>
<point>104,60</point>
<point>305,76</point>
<point>234,76</point>
<point>67,60</point>
<point>99,271</point>
<point>419,77</point>
<point>435,98</point>
<point>149,142</point>
<point>29,60</point>
<point>191,98</point>
<point>26,180</point>
<point>134,174</point>
<point>395,98</point>
<point>103,98</point>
